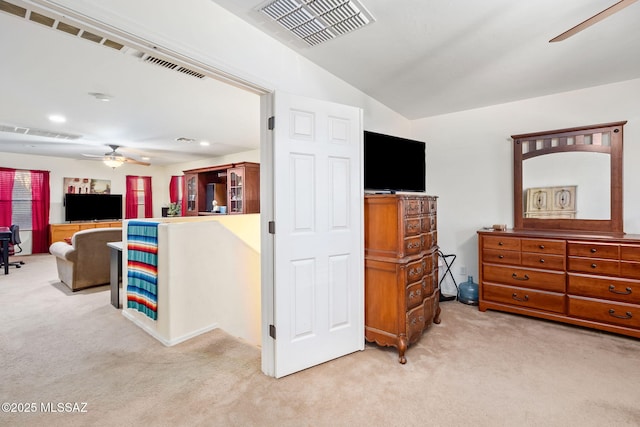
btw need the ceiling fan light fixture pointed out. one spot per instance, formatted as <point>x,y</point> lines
<point>113,162</point>
<point>316,21</point>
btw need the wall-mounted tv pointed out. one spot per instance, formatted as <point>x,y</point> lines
<point>393,164</point>
<point>92,207</point>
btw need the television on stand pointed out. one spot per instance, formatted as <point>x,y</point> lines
<point>393,164</point>
<point>92,207</point>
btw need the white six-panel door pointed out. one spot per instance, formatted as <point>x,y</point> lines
<point>318,291</point>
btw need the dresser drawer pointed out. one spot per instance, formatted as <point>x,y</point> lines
<point>430,206</point>
<point>412,207</point>
<point>553,262</point>
<point>500,242</point>
<point>412,245</point>
<point>630,269</point>
<point>606,288</point>
<point>543,246</point>
<point>430,283</point>
<point>412,227</point>
<point>594,266</point>
<point>429,223</point>
<point>500,256</point>
<point>415,271</point>
<point>604,311</point>
<point>415,323</point>
<point>430,308</point>
<point>593,250</point>
<point>428,240</point>
<point>522,277</point>
<point>630,252</point>
<point>414,294</point>
<point>524,297</point>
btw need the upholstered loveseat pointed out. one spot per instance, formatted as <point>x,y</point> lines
<point>85,262</point>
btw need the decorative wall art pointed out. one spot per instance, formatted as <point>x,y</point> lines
<point>86,186</point>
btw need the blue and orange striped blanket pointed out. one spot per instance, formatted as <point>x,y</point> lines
<point>142,267</point>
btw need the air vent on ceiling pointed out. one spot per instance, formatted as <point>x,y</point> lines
<point>317,21</point>
<point>170,65</point>
<point>38,132</point>
<point>92,35</point>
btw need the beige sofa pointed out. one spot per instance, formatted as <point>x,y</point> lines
<point>86,261</point>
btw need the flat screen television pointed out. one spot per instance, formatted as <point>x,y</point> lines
<point>92,207</point>
<point>393,164</point>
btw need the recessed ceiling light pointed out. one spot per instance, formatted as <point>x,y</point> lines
<point>145,158</point>
<point>205,143</point>
<point>57,118</point>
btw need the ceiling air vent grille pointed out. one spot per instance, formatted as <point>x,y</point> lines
<point>38,132</point>
<point>317,21</point>
<point>73,30</point>
<point>172,66</point>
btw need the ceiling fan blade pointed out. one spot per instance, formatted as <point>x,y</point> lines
<point>594,19</point>
<point>93,156</point>
<point>136,162</point>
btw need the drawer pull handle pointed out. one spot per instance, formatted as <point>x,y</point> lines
<point>515,297</point>
<point>627,315</point>
<point>594,266</point>
<point>500,256</point>
<point>515,276</point>
<point>500,243</point>
<point>594,250</point>
<point>541,246</point>
<point>612,289</point>
<point>542,260</point>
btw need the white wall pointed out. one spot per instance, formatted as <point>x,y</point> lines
<point>62,167</point>
<point>470,158</point>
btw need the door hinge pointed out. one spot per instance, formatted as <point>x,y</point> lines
<point>271,123</point>
<point>272,331</point>
<point>272,227</point>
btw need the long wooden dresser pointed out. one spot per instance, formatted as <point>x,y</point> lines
<point>591,281</point>
<point>401,268</point>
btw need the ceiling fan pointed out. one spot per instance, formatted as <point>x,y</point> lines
<point>114,159</point>
<point>594,19</point>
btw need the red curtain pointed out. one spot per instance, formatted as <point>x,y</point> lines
<point>6,195</point>
<point>131,197</point>
<point>174,190</point>
<point>39,211</point>
<point>148,200</point>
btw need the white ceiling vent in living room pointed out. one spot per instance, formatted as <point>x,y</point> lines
<point>172,66</point>
<point>317,21</point>
<point>94,35</point>
<point>38,132</point>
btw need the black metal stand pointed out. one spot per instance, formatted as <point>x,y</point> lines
<point>449,264</point>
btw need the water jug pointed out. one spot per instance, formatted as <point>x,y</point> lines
<point>468,292</point>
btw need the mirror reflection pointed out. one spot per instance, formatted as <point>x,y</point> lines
<point>567,185</point>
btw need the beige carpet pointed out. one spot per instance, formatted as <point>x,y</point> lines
<point>474,369</point>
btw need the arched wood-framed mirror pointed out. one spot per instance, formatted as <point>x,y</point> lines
<point>569,179</point>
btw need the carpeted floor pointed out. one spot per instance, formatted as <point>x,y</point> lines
<point>474,369</point>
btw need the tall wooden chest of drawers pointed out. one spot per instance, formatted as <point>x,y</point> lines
<point>401,268</point>
<point>591,281</point>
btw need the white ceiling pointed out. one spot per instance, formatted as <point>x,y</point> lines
<point>424,57</point>
<point>45,71</point>
<point>420,57</point>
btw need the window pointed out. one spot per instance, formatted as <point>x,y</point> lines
<point>138,197</point>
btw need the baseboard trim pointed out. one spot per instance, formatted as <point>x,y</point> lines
<point>163,340</point>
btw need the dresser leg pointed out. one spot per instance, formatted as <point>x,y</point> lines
<point>436,318</point>
<point>402,347</point>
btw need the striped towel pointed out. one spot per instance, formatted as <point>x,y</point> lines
<point>142,267</point>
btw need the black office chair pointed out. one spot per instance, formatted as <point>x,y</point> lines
<point>14,245</point>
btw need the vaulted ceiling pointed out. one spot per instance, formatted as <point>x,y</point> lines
<point>419,57</point>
